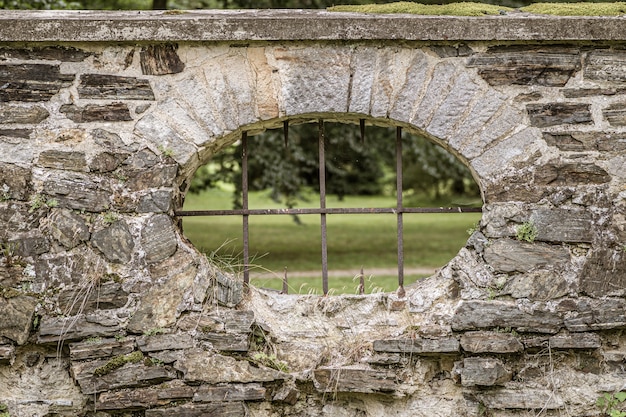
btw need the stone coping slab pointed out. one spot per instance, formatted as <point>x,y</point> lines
<point>280,25</point>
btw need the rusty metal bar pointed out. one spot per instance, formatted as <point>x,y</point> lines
<point>285,283</point>
<point>399,208</point>
<point>286,132</point>
<point>244,204</point>
<point>322,174</point>
<point>362,129</point>
<point>338,210</point>
<point>361,283</point>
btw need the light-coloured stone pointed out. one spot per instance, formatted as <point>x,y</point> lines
<point>441,81</point>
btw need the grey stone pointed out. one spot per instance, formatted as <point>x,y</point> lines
<point>138,398</point>
<point>368,381</point>
<point>615,114</point>
<point>115,242</point>
<point>106,161</point>
<point>7,354</point>
<point>15,182</point>
<point>100,86</point>
<point>99,296</point>
<point>552,114</point>
<point>158,238</point>
<point>154,177</point>
<point>570,174</point>
<point>229,290</point>
<point>490,342</point>
<point>74,328</point>
<point>109,140</point>
<point>224,409</point>
<point>30,243</point>
<point>200,366</point>
<point>67,227</point>
<point>544,284</point>
<point>158,201</point>
<point>17,317</point>
<point>563,225</point>
<point>227,342</point>
<point>101,348</point>
<point>50,53</point>
<point>604,272</point>
<point>115,112</point>
<point>605,65</point>
<point>77,191</point>
<point>31,82</point>
<point>577,341</point>
<point>12,113</point>
<point>589,315</point>
<point>484,372</point>
<point>229,393</point>
<point>164,342</point>
<point>68,160</point>
<point>586,141</point>
<point>163,136</point>
<point>418,345</point>
<point>142,159</point>
<point>520,398</point>
<point>507,255</point>
<point>288,393</point>
<point>477,314</point>
<point>160,59</point>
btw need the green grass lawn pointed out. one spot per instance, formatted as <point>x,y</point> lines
<point>354,241</point>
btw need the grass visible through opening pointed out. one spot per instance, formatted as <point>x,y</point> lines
<point>276,242</point>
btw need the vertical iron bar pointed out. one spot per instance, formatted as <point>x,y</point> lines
<point>244,204</point>
<point>399,207</point>
<point>361,283</point>
<point>322,174</point>
<point>286,132</point>
<point>285,283</point>
<point>362,128</point>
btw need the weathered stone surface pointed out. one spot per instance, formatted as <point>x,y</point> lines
<point>229,393</point>
<point>164,342</point>
<point>7,354</point>
<point>17,317</point>
<point>519,398</point>
<point>31,82</point>
<point>49,53</point>
<point>77,191</point>
<point>552,114</point>
<point>110,140</point>
<point>115,242</point>
<point>288,393</point>
<point>154,177</point>
<point>232,409</point>
<point>128,376</point>
<point>227,342</point>
<point>68,160</point>
<point>605,65</point>
<point>229,290</point>
<point>367,381</point>
<point>160,59</point>
<point>587,141</point>
<point>159,306</point>
<point>114,87</point>
<point>201,366</point>
<point>100,296</point>
<point>563,225</point>
<point>588,92</point>
<point>142,159</point>
<point>115,112</point>
<point>527,65</point>
<point>11,113</point>
<point>30,243</point>
<point>158,201</point>
<point>508,255</point>
<point>544,284</point>
<point>447,51</point>
<point>140,398</point>
<point>15,182</point>
<point>101,348</point>
<point>166,138</point>
<point>16,133</point>
<point>604,273</point>
<point>418,345</point>
<point>490,342</point>
<point>158,238</point>
<point>615,114</point>
<point>55,329</point>
<point>478,314</point>
<point>484,372</point>
<point>577,341</point>
<point>590,315</point>
<point>570,174</point>
<point>106,161</point>
<point>79,267</point>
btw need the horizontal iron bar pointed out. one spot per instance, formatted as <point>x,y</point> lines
<point>256,212</point>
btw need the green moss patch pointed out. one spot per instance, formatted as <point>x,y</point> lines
<point>118,362</point>
<point>452,9</point>
<point>577,9</point>
<point>481,9</point>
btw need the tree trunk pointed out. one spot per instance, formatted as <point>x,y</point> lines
<point>159,4</point>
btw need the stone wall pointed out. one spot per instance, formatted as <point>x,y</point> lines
<point>108,310</point>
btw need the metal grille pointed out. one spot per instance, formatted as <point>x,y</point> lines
<point>323,211</point>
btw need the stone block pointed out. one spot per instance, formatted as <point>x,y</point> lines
<point>16,133</point>
<point>98,86</point>
<point>74,328</point>
<point>519,398</point>
<point>155,202</point>
<point>553,114</point>
<point>7,354</point>
<point>158,238</point>
<point>227,342</point>
<point>199,366</point>
<point>577,341</point>
<point>15,182</point>
<point>141,398</point>
<point>115,112</point>
<point>67,227</point>
<point>615,114</point>
<point>589,315</point>
<point>418,345</point>
<point>101,348</point>
<point>367,381</point>
<point>544,284</point>
<point>232,409</point>
<point>604,273</point>
<point>48,53</point>
<point>478,314</point>
<point>563,225</point>
<point>164,342</point>
<point>160,175</point>
<point>17,317</point>
<point>484,372</point>
<point>67,160</point>
<point>438,89</point>
<point>229,290</point>
<point>570,174</point>
<point>229,393</point>
<point>549,66</point>
<point>12,113</point>
<point>164,137</point>
<point>490,342</point>
<point>98,296</point>
<point>106,161</point>
<point>587,141</point>
<point>508,255</point>
<point>115,242</point>
<point>605,65</point>
<point>77,191</point>
<point>31,82</point>
<point>160,59</point>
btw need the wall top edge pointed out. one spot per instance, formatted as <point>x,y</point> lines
<point>281,25</point>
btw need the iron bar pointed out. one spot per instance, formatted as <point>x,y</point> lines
<point>322,174</point>
<point>330,210</point>
<point>244,204</point>
<point>362,129</point>
<point>361,282</point>
<point>285,283</point>
<point>401,291</point>
<point>286,132</point>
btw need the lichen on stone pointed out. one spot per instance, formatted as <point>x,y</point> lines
<point>118,362</point>
<point>577,9</point>
<point>452,9</point>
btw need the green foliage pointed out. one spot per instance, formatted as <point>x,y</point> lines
<point>154,331</point>
<point>38,201</point>
<point>118,362</point>
<point>4,410</point>
<point>270,361</point>
<point>610,404</point>
<point>526,232</point>
<point>454,9</point>
<point>110,217</point>
<point>577,9</point>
